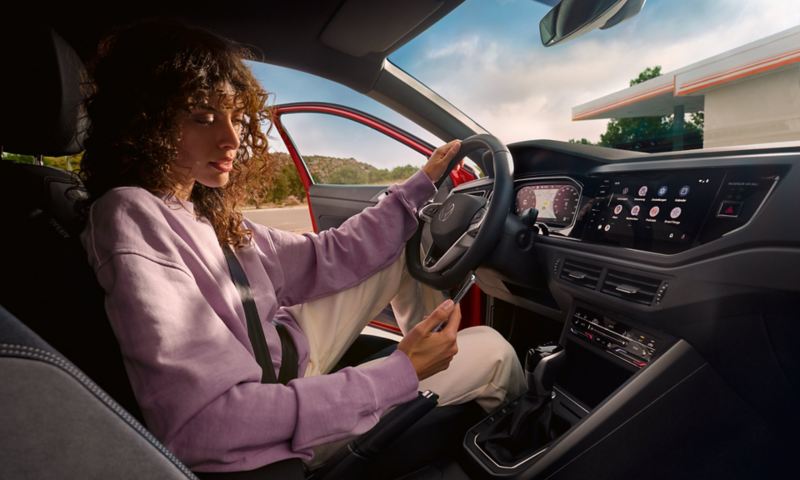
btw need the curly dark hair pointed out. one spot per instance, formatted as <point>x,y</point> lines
<point>144,77</point>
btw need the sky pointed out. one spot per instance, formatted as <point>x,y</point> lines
<point>486,58</point>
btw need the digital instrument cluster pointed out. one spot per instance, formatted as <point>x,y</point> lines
<point>556,200</point>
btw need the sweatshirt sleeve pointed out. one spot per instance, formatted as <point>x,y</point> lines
<point>315,265</point>
<point>198,385</point>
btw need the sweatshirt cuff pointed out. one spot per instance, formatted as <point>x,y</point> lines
<point>395,381</point>
<point>417,189</point>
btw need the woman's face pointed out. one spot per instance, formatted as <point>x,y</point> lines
<point>208,140</point>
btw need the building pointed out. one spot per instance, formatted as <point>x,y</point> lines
<point>750,94</point>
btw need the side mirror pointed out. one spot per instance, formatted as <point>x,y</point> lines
<point>571,18</point>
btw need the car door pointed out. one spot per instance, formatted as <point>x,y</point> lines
<point>353,172</point>
<point>334,187</point>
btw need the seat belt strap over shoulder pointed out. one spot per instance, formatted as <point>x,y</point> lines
<point>255,332</point>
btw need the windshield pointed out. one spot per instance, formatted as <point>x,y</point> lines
<point>681,74</point>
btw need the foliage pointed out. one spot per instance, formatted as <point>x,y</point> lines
<point>651,134</point>
<point>645,75</point>
<point>70,163</point>
<point>281,184</point>
<point>349,171</point>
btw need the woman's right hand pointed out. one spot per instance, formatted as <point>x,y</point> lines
<point>431,352</point>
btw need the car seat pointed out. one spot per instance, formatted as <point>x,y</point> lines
<point>57,423</point>
<point>48,282</point>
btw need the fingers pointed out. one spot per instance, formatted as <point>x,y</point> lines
<point>447,151</point>
<point>439,315</point>
<point>454,321</point>
<point>440,159</point>
<point>452,148</point>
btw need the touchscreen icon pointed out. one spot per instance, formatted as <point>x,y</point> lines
<point>662,190</point>
<point>635,210</point>
<point>684,191</point>
<point>675,212</point>
<point>617,209</point>
<point>642,191</point>
<point>625,190</point>
<point>607,228</point>
<point>654,211</point>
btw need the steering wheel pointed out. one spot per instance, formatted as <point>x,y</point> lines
<point>455,235</point>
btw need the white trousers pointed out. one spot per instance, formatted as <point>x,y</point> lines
<point>485,369</point>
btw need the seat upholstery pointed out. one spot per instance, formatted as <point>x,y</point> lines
<point>56,423</point>
<point>48,283</point>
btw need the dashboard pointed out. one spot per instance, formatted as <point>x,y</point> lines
<point>662,211</point>
<point>647,260</point>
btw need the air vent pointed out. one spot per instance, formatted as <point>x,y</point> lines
<point>580,273</point>
<point>635,288</point>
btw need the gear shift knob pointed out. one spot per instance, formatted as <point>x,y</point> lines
<point>541,366</point>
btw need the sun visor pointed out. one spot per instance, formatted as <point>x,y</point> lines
<point>361,27</point>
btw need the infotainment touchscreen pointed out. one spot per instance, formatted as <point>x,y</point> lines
<point>658,211</point>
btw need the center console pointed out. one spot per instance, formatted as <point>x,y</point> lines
<point>597,354</point>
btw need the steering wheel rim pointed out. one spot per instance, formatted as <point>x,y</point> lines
<point>465,253</point>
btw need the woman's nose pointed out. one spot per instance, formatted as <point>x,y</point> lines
<point>229,135</point>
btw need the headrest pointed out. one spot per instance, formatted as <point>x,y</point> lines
<point>41,93</point>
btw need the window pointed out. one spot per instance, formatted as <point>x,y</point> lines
<point>343,152</point>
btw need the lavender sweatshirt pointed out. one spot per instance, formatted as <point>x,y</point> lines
<point>181,326</point>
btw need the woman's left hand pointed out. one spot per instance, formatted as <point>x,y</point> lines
<point>440,158</point>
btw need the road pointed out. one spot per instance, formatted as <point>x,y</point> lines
<point>293,219</point>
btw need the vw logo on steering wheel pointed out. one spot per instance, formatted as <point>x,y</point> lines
<point>447,212</point>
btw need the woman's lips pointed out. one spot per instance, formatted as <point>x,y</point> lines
<point>223,166</point>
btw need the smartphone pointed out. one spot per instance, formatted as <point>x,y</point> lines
<point>469,282</point>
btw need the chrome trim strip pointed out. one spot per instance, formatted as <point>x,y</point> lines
<point>504,467</point>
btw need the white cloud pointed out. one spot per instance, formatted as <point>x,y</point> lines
<point>522,93</point>
<point>466,46</point>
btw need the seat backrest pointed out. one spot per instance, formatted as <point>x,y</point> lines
<point>47,282</point>
<point>56,423</point>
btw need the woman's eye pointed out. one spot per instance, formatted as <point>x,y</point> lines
<point>204,119</point>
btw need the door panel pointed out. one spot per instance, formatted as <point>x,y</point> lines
<point>333,204</point>
<point>316,140</point>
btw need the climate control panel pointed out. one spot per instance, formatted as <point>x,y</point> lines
<point>628,344</point>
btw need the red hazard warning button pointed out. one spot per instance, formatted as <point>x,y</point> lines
<point>729,208</point>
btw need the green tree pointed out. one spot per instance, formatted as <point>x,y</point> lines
<point>348,174</point>
<point>651,134</point>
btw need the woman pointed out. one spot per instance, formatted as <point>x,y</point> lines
<point>176,126</point>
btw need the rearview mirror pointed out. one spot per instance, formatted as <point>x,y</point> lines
<point>571,18</point>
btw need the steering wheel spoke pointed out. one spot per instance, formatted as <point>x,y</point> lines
<point>427,212</point>
<point>455,235</point>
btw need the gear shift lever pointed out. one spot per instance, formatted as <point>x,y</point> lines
<point>528,426</point>
<point>541,365</point>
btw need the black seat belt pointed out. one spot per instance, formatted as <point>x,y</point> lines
<point>290,468</point>
<point>288,370</point>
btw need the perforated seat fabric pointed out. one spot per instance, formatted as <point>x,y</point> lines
<point>56,423</point>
